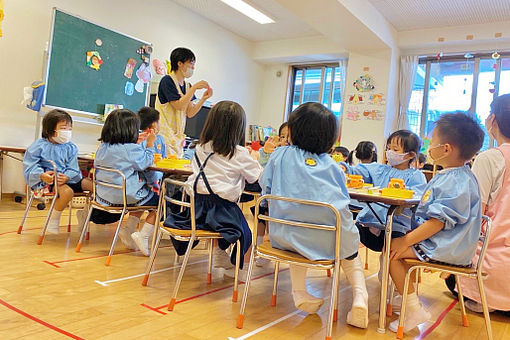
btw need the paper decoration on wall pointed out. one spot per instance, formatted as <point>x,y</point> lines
<point>168,66</point>
<point>130,67</point>
<point>139,86</point>
<point>144,73</point>
<point>94,60</point>
<point>439,55</point>
<point>355,99</point>
<point>1,15</point>
<point>129,88</point>
<point>352,115</point>
<point>364,83</point>
<point>377,99</point>
<point>159,66</point>
<point>373,114</point>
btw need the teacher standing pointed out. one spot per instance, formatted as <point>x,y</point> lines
<point>175,99</point>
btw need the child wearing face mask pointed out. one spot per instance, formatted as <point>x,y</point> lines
<point>55,145</point>
<point>447,223</point>
<point>402,147</point>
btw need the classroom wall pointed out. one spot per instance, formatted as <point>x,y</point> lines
<point>273,95</point>
<point>223,58</point>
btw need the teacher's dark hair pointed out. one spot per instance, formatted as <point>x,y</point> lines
<point>181,54</point>
<point>313,128</point>
<point>121,127</point>
<point>51,119</point>
<point>225,127</point>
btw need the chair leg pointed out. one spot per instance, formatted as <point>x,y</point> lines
<point>209,265</point>
<point>43,231</point>
<point>114,241</point>
<point>70,216</point>
<point>236,274</point>
<point>335,303</point>
<point>29,204</point>
<point>150,264</point>
<point>366,258</point>
<point>400,330</point>
<point>334,299</point>
<point>275,283</point>
<point>240,317</point>
<point>329,272</point>
<point>389,307</point>
<point>84,230</point>
<point>181,274</point>
<point>465,321</point>
<point>485,307</point>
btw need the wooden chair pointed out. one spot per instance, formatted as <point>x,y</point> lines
<point>122,210</point>
<point>53,195</point>
<point>189,236</point>
<point>473,272</point>
<point>265,250</point>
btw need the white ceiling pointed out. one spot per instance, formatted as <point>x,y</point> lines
<point>286,25</point>
<point>407,15</point>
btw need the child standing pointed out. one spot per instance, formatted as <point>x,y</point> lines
<point>312,133</point>
<point>448,218</point>
<point>221,165</point>
<point>55,145</point>
<point>119,150</point>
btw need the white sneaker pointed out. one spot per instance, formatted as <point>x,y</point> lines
<point>221,259</point>
<point>475,306</point>
<point>141,242</point>
<point>306,302</point>
<point>53,226</point>
<point>412,320</point>
<point>126,239</point>
<point>243,274</point>
<point>396,303</point>
<point>260,262</point>
<point>358,315</point>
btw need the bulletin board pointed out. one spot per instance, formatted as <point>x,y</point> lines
<point>90,66</point>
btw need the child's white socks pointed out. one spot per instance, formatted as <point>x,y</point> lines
<point>358,315</point>
<point>54,222</point>
<point>141,238</point>
<point>126,231</point>
<point>415,314</point>
<point>302,299</point>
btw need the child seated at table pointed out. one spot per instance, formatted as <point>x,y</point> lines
<point>448,219</point>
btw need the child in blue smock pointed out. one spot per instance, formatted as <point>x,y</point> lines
<point>55,145</point>
<point>305,170</point>
<point>119,150</point>
<point>149,120</point>
<point>402,147</point>
<point>448,218</point>
<point>221,166</point>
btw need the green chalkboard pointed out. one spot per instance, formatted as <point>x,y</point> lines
<point>71,84</point>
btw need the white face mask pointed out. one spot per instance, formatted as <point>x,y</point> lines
<point>188,73</point>
<point>63,136</point>
<point>394,158</point>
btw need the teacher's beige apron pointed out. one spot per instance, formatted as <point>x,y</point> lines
<point>172,122</point>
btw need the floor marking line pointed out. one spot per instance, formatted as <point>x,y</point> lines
<point>438,321</point>
<point>285,317</point>
<point>153,309</point>
<point>44,323</point>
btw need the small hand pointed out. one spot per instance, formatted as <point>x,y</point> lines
<point>207,94</point>
<point>271,144</point>
<point>142,137</point>
<point>47,177</point>
<point>151,138</point>
<point>62,179</point>
<point>398,247</point>
<point>202,84</point>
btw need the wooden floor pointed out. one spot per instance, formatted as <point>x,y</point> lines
<point>52,292</point>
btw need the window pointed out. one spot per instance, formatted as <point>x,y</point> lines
<point>456,83</point>
<point>317,83</point>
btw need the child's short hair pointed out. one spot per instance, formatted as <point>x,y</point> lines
<point>462,131</point>
<point>283,126</point>
<point>181,54</point>
<point>500,107</point>
<point>121,127</point>
<point>148,116</point>
<point>225,127</point>
<point>409,141</point>
<point>422,158</point>
<point>364,150</point>
<point>313,128</point>
<point>343,150</point>
<point>51,119</point>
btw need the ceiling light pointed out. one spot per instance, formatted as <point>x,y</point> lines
<point>249,11</point>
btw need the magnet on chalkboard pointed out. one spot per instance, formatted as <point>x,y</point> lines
<point>129,88</point>
<point>99,42</point>
<point>147,49</point>
<point>139,86</point>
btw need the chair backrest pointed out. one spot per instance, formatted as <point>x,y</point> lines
<point>182,202</point>
<point>336,228</point>
<point>484,238</point>
<point>120,187</point>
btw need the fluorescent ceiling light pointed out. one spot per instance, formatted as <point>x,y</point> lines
<point>249,11</point>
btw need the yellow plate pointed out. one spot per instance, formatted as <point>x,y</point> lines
<point>173,163</point>
<point>397,193</point>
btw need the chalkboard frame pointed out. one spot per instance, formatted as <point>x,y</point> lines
<point>48,61</point>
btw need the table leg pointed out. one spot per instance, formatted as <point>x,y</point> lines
<point>1,172</point>
<point>386,269</point>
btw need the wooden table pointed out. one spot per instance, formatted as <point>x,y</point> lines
<point>395,207</point>
<point>172,171</point>
<point>8,151</point>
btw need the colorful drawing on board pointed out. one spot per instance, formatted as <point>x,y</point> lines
<point>353,115</point>
<point>355,99</point>
<point>377,99</point>
<point>159,66</point>
<point>94,60</point>
<point>108,108</point>
<point>129,88</point>
<point>139,86</point>
<point>373,114</point>
<point>130,67</point>
<point>144,73</point>
<point>364,83</point>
